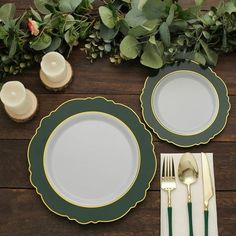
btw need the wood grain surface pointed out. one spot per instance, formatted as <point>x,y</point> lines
<point>21,209</point>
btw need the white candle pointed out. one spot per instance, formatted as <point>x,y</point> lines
<point>53,65</point>
<point>13,95</point>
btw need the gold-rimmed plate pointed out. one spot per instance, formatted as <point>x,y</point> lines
<point>89,160</point>
<point>185,104</point>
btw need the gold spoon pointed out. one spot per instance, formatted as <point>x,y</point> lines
<point>188,174</point>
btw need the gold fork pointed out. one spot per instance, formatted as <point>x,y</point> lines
<point>168,184</point>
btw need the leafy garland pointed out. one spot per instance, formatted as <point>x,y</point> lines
<point>156,31</point>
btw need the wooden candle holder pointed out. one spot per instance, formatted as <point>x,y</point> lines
<point>21,118</point>
<point>57,86</point>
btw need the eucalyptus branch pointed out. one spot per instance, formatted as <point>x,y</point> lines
<point>157,32</point>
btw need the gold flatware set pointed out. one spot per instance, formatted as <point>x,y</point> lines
<point>187,174</point>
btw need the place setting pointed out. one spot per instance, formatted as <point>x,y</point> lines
<point>92,160</point>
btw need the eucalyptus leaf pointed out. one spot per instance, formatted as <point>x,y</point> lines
<point>211,55</point>
<point>13,48</point>
<point>199,57</point>
<point>141,3</point>
<point>171,15</point>
<point>230,7</point>
<point>107,33</point>
<point>130,47</point>
<point>152,40</point>
<point>124,27</point>
<point>107,17</point>
<point>41,42</point>
<point>69,6</point>
<point>145,29</point>
<point>67,37</point>
<point>135,18</point>
<point>151,25</point>
<point>206,34</point>
<point>71,37</point>
<point>40,5</point>
<point>151,56</point>
<point>3,32</point>
<point>224,39</point>
<point>7,12</point>
<point>189,13</point>
<point>154,9</point>
<point>165,34</point>
<point>207,20</point>
<point>70,21</point>
<point>134,4</point>
<point>178,25</point>
<point>47,18</point>
<point>107,47</point>
<point>138,31</point>
<point>55,44</point>
<point>36,14</point>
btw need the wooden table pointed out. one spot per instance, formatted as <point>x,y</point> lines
<point>21,209</point>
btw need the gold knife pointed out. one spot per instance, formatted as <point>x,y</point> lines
<point>207,188</point>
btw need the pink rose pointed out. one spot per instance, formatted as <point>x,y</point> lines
<point>33,27</point>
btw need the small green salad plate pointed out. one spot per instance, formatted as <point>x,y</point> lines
<point>91,160</point>
<point>185,104</point>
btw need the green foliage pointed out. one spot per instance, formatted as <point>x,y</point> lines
<point>165,34</point>
<point>7,12</point>
<point>107,17</point>
<point>43,41</point>
<point>41,6</point>
<point>69,6</point>
<point>152,54</point>
<point>129,47</point>
<point>161,31</point>
<point>155,31</point>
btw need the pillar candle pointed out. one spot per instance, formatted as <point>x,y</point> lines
<point>53,65</point>
<point>13,95</point>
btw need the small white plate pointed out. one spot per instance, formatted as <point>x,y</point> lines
<point>185,102</point>
<point>91,159</point>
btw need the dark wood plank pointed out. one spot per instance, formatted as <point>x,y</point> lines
<point>23,213</point>
<point>14,165</point>
<point>47,103</point>
<point>127,78</point>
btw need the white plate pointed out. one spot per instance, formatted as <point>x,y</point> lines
<point>185,102</point>
<point>91,159</point>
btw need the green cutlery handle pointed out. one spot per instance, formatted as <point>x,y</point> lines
<point>190,219</point>
<point>206,213</point>
<point>170,220</point>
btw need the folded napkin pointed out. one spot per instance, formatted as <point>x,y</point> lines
<point>179,203</point>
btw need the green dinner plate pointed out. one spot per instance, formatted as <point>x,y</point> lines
<point>91,160</point>
<point>185,104</point>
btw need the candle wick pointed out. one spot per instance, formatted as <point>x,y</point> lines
<point>13,93</point>
<point>54,63</point>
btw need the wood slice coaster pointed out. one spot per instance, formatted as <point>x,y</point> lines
<point>20,118</point>
<point>57,86</point>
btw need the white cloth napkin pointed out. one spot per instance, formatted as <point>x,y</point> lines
<point>179,203</point>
